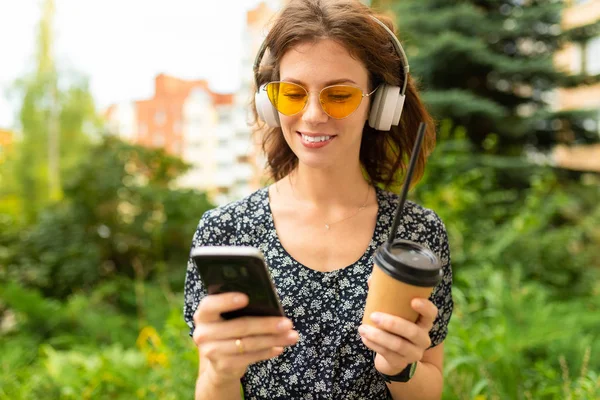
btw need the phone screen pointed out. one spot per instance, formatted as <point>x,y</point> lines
<point>245,274</point>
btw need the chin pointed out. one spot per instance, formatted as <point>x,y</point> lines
<point>314,164</point>
<point>320,161</point>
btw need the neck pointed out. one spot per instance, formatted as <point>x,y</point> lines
<point>329,188</point>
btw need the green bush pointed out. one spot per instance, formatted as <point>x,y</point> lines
<point>546,225</point>
<point>90,302</point>
<point>509,340</point>
<point>120,217</point>
<point>75,353</point>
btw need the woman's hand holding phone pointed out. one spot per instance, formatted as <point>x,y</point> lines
<point>228,347</point>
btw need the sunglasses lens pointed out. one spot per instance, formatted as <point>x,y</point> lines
<point>340,101</point>
<point>287,98</point>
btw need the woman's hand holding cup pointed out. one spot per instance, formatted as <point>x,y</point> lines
<point>397,341</point>
<point>230,346</point>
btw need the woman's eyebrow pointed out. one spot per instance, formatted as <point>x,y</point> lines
<point>328,83</point>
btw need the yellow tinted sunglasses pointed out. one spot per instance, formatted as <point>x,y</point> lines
<point>337,101</point>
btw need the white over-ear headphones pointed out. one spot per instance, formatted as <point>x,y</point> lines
<point>386,106</point>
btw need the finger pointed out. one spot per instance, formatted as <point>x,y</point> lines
<point>241,327</point>
<point>211,307</point>
<point>243,360</point>
<point>401,327</point>
<point>427,313</point>
<point>249,344</point>
<point>389,356</point>
<point>390,343</point>
<point>375,347</point>
<point>369,281</point>
<point>253,357</point>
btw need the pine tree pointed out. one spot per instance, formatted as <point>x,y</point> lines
<point>487,66</point>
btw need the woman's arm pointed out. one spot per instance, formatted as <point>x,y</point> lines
<point>398,342</point>
<point>227,347</point>
<point>208,389</point>
<point>427,382</point>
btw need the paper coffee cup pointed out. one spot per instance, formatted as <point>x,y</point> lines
<point>401,272</point>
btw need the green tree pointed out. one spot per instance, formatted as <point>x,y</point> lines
<point>487,65</point>
<point>57,117</point>
<point>120,216</point>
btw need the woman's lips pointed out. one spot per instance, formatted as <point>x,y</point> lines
<point>315,141</point>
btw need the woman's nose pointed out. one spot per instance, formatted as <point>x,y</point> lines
<point>313,112</point>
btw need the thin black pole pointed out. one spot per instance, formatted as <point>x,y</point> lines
<point>406,185</point>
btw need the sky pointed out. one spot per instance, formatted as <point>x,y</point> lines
<point>121,45</point>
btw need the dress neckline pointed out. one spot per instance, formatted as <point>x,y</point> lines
<point>361,260</point>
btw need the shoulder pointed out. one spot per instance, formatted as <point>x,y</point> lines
<point>231,209</point>
<point>220,224</point>
<point>413,212</point>
<point>418,223</point>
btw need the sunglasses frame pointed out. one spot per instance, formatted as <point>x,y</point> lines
<point>308,92</point>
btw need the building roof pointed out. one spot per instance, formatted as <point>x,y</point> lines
<point>175,89</point>
<point>170,86</point>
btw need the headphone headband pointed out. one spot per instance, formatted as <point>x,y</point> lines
<point>399,51</point>
<point>395,43</point>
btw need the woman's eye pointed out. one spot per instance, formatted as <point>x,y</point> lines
<point>294,96</point>
<point>338,97</point>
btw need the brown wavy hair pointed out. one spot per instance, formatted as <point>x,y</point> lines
<point>384,156</point>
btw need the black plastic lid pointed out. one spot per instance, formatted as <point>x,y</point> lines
<point>409,262</point>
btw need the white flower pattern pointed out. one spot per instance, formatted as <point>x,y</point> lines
<point>329,361</point>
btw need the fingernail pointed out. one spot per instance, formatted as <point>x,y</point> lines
<point>285,324</point>
<point>362,330</point>
<point>376,317</point>
<point>419,303</point>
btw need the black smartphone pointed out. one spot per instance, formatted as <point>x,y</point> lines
<point>238,269</point>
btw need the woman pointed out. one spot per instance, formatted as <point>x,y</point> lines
<point>333,153</point>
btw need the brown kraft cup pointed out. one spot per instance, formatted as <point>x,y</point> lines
<point>401,271</point>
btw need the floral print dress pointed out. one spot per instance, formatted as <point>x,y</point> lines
<point>329,361</point>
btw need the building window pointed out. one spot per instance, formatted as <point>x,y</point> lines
<point>159,139</point>
<point>178,148</point>
<point>224,116</point>
<point>160,118</point>
<point>592,56</point>
<point>576,59</point>
<point>242,134</point>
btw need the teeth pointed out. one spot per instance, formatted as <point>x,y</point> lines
<point>315,139</point>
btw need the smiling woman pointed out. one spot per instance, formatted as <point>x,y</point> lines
<point>338,113</point>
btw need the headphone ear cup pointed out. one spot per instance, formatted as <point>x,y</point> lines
<point>398,111</point>
<point>386,108</point>
<point>265,109</point>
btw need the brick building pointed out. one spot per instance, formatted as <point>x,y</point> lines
<point>209,130</point>
<point>581,57</point>
<point>188,120</point>
<point>160,119</point>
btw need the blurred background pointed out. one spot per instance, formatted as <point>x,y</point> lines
<point>122,122</point>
